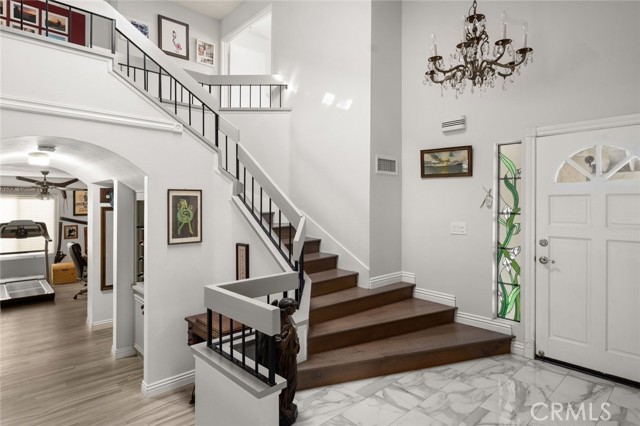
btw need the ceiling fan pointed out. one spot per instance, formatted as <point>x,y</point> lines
<point>45,185</point>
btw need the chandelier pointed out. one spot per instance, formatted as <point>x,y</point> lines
<point>476,60</point>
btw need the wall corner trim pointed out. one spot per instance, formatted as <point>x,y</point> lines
<point>435,296</point>
<point>161,387</point>
<point>408,277</point>
<point>127,352</point>
<point>473,320</point>
<point>387,279</point>
<point>517,348</point>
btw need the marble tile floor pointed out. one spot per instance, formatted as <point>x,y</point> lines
<point>501,390</point>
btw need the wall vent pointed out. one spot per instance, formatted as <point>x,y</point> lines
<point>386,165</point>
<point>459,123</point>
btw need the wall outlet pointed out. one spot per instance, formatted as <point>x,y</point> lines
<point>458,228</point>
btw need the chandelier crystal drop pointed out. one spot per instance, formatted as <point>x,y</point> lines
<point>476,60</point>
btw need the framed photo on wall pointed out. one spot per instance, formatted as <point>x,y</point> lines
<point>143,27</point>
<point>28,14</point>
<point>242,261</point>
<point>185,216</point>
<point>205,53</point>
<point>173,37</point>
<point>70,232</point>
<point>80,203</point>
<point>446,162</point>
<point>56,22</point>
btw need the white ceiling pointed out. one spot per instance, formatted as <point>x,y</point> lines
<point>87,162</point>
<point>215,8</point>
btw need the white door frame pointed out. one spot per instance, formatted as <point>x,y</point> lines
<point>529,213</point>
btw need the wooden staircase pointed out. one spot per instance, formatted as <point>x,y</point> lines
<point>356,333</point>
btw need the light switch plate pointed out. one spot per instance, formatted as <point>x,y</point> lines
<point>458,228</point>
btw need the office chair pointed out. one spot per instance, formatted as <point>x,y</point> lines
<point>80,263</point>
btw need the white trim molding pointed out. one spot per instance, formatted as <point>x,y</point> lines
<point>139,349</point>
<point>517,348</point>
<point>127,352</point>
<point>387,279</point>
<point>408,277</point>
<point>161,387</point>
<point>99,323</point>
<point>499,326</point>
<point>435,296</point>
<point>69,111</point>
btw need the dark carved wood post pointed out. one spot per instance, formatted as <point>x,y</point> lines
<point>287,367</point>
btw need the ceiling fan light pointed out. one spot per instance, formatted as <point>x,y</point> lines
<point>38,159</point>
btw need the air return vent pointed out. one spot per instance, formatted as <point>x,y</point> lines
<point>386,165</point>
<point>459,123</point>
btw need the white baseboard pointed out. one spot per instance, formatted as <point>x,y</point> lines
<point>97,323</point>
<point>483,322</point>
<point>138,349</point>
<point>382,280</point>
<point>123,352</point>
<point>517,348</point>
<point>408,277</point>
<point>168,385</point>
<point>434,296</point>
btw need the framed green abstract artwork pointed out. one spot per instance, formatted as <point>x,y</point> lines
<point>185,216</point>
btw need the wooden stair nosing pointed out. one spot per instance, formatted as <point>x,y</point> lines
<point>323,376</point>
<point>372,332</point>
<point>356,299</point>
<point>320,261</point>
<point>311,245</point>
<point>332,280</point>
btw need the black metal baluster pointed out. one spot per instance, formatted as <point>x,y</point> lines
<point>270,93</point>
<point>290,242</point>
<point>272,360</point>
<point>226,152</point>
<point>175,95</point>
<point>261,207</point>
<point>231,338</point>
<point>209,327</point>
<point>270,218</point>
<point>113,33</point>
<point>146,74</point>
<point>244,349</point>
<point>91,31</point>
<point>253,192</point>
<point>160,83</point>
<point>280,229</point>
<point>22,14</point>
<point>190,108</point>
<point>220,332</point>
<point>46,18</point>
<point>217,124</point>
<point>297,291</point>
<point>255,359</point>
<point>202,118</point>
<point>127,57</point>
<point>244,186</point>
<point>260,96</point>
<point>134,74</point>
<point>237,163</point>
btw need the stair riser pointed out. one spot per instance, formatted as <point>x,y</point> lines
<point>284,233</point>
<point>312,378</point>
<point>309,247</point>
<point>377,331</point>
<point>330,286</point>
<point>354,306</point>
<point>324,264</point>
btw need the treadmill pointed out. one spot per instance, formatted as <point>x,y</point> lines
<point>32,288</point>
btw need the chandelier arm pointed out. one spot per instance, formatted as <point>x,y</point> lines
<point>510,66</point>
<point>450,70</point>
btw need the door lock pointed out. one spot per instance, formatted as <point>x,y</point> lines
<point>544,242</point>
<point>544,260</point>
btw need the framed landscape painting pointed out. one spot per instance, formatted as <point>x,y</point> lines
<point>185,216</point>
<point>446,162</point>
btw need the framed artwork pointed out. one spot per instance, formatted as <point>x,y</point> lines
<point>80,204</point>
<point>185,216</point>
<point>205,53</point>
<point>3,22</point>
<point>27,28</point>
<point>58,37</point>
<point>143,27</point>
<point>70,232</point>
<point>3,8</point>
<point>28,14</point>
<point>173,37</point>
<point>56,22</point>
<point>446,162</point>
<point>242,261</point>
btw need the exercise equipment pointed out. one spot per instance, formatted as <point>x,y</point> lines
<point>31,288</point>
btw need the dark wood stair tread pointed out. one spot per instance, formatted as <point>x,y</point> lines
<point>398,311</point>
<point>310,257</point>
<point>353,294</point>
<point>443,337</point>
<point>330,274</point>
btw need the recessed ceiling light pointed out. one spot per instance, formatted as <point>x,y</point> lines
<point>38,159</point>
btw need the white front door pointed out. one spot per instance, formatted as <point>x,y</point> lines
<point>588,249</point>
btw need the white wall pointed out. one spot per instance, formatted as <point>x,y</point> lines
<point>175,276</point>
<point>250,54</point>
<point>587,62</point>
<point>200,27</point>
<point>324,48</point>
<point>386,136</point>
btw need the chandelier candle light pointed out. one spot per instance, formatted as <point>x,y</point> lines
<point>478,62</point>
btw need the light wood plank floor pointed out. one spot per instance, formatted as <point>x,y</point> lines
<point>55,370</point>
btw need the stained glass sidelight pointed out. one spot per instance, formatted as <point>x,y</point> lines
<point>509,231</point>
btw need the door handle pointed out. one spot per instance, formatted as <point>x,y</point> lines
<point>544,260</point>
